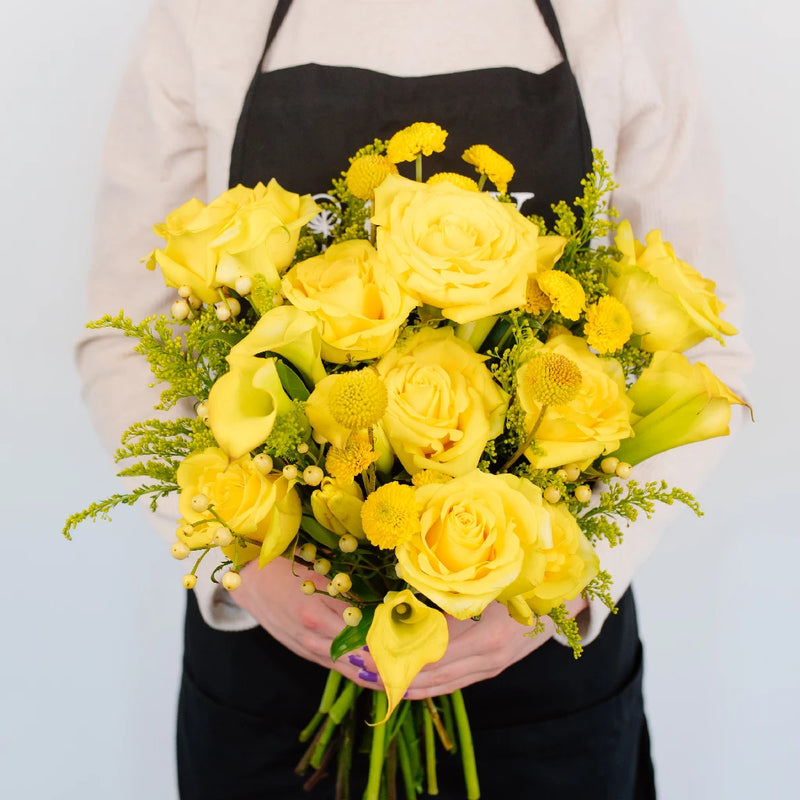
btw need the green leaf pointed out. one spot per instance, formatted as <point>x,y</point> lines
<point>319,533</point>
<point>352,638</point>
<point>291,381</point>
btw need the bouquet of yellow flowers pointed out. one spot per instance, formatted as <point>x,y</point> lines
<point>426,397</point>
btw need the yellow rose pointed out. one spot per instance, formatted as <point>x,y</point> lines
<point>262,237</point>
<point>336,505</point>
<point>673,307</point>
<point>593,422</point>
<point>444,405</point>
<point>264,508</point>
<point>358,306</point>
<point>562,570</point>
<point>480,539</point>
<point>675,403</point>
<point>458,250</point>
<point>242,232</point>
<point>244,403</point>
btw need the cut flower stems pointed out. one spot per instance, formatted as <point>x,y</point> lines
<point>425,400</point>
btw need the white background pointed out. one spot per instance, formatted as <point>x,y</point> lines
<point>91,629</point>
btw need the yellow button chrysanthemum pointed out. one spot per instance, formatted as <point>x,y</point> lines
<point>427,476</point>
<point>608,325</point>
<point>345,463</point>
<point>421,137</point>
<point>552,379</point>
<point>565,293</point>
<point>358,399</point>
<point>498,169</point>
<point>462,181</point>
<point>389,515</point>
<point>536,301</point>
<point>367,173</point>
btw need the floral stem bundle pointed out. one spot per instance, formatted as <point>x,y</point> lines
<point>428,402</point>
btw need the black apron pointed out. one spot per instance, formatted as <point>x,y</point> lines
<point>547,727</point>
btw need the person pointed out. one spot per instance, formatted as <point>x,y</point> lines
<point>218,95</point>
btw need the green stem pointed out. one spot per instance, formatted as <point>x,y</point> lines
<point>391,771</point>
<point>467,750</point>
<point>380,706</point>
<point>409,735</point>
<point>430,751</point>
<point>345,758</point>
<point>528,440</point>
<point>311,728</point>
<point>444,731</point>
<point>447,714</point>
<point>406,768</point>
<point>330,691</point>
<point>419,168</point>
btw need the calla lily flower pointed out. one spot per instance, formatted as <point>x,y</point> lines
<point>676,403</point>
<point>288,332</point>
<point>244,403</point>
<point>405,635</point>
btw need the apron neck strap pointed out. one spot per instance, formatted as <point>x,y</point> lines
<point>278,16</point>
<point>549,16</point>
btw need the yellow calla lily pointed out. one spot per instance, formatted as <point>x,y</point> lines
<point>290,333</point>
<point>244,402</point>
<point>405,635</point>
<point>676,403</point>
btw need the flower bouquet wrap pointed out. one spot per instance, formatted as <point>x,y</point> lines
<point>429,399</point>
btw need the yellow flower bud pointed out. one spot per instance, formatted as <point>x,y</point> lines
<point>307,587</point>
<point>308,552</point>
<point>348,543</point>
<point>179,550</point>
<point>231,580</point>
<point>352,616</point>
<point>583,494</point>
<point>551,494</point>
<point>322,566</point>
<point>190,581</point>
<point>342,582</point>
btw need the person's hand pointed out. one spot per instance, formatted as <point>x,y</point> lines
<point>477,650</point>
<point>306,624</point>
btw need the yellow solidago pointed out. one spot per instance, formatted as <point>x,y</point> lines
<point>427,476</point>
<point>462,181</point>
<point>536,301</point>
<point>552,379</point>
<point>358,399</point>
<point>565,293</point>
<point>345,463</point>
<point>496,168</point>
<point>421,137</point>
<point>608,325</point>
<point>389,515</point>
<point>367,173</point>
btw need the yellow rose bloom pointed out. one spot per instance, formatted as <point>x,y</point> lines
<point>459,250</point>
<point>444,405</point>
<point>261,507</point>
<point>244,403</point>
<point>358,306</point>
<point>336,505</point>
<point>262,236</point>
<point>673,307</point>
<point>480,537</point>
<point>564,569</point>
<point>593,422</point>
<point>675,403</point>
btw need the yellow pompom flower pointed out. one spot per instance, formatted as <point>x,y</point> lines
<point>421,137</point>
<point>498,169</point>
<point>345,463</point>
<point>389,515</point>
<point>565,293</point>
<point>427,476</point>
<point>552,379</point>
<point>608,325</point>
<point>358,399</point>
<point>462,181</point>
<point>367,173</point>
<point>536,301</point>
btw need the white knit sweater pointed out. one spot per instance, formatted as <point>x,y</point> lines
<point>172,131</point>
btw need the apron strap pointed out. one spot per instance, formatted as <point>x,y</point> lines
<point>278,17</point>
<point>549,16</point>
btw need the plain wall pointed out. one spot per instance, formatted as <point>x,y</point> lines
<point>91,646</point>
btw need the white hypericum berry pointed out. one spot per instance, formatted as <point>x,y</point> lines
<point>342,582</point>
<point>551,494</point>
<point>348,543</point>
<point>202,410</point>
<point>231,580</point>
<point>290,472</point>
<point>184,291</point>
<point>352,616</point>
<point>307,551</point>
<point>322,566</point>
<point>194,301</point>
<point>318,438</point>
<point>307,587</point>
<point>199,503</point>
<point>302,448</point>
<point>223,312</point>
<point>263,463</point>
<point>180,309</point>
<point>623,470</point>
<point>180,550</point>
<point>277,300</point>
<point>573,471</point>
<point>583,494</point>
<point>331,589</point>
<point>190,581</point>
<point>243,285</point>
<point>609,465</point>
<point>313,475</point>
<point>222,538</point>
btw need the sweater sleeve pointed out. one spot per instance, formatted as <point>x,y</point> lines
<point>669,176</point>
<point>154,160</point>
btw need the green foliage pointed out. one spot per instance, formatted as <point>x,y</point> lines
<point>289,430</point>
<point>633,360</point>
